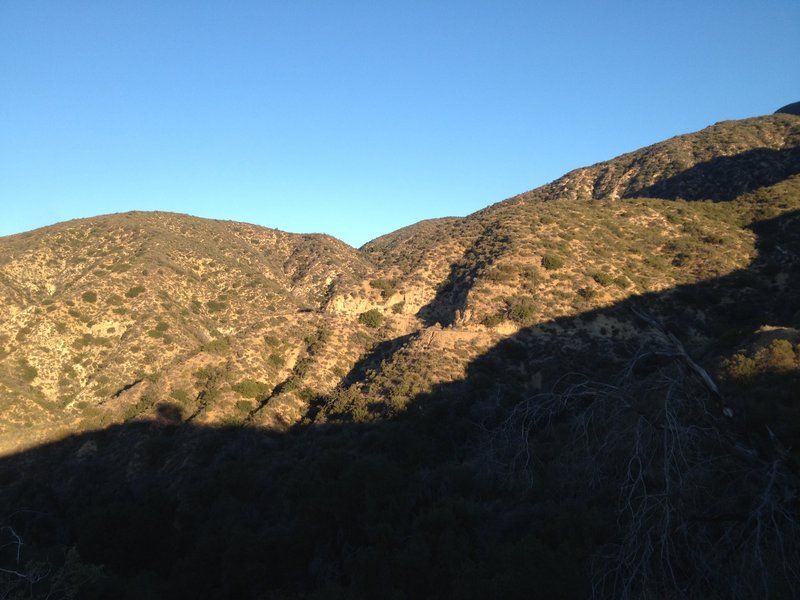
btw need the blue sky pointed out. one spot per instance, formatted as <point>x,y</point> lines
<point>356,118</point>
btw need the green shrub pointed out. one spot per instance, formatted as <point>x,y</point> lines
<point>386,286</point>
<point>501,274</point>
<point>215,306</point>
<point>551,262</point>
<point>521,309</point>
<point>621,282</point>
<point>180,394</point>
<point>603,279</point>
<point>28,371</point>
<point>119,267</point>
<point>134,291</point>
<point>87,339</point>
<point>371,318</point>
<point>250,388</point>
<point>276,360</point>
<point>493,320</point>
<point>778,356</point>
<point>244,406</point>
<point>739,368</point>
<point>217,346</point>
<point>208,378</point>
<point>89,297</point>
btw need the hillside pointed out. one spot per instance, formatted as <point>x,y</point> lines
<point>588,389</point>
<point>569,249</point>
<point>102,314</point>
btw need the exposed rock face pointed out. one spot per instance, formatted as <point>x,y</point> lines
<point>349,305</point>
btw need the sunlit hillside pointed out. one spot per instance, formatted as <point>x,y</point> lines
<point>586,390</point>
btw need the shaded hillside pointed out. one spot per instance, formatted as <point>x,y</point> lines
<point>587,389</point>
<point>760,146</point>
<point>629,477</point>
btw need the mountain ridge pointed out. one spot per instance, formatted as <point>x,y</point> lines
<point>588,389</point>
<point>72,290</point>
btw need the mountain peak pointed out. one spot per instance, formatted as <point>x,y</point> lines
<point>789,109</point>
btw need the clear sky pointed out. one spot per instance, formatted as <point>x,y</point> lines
<point>354,118</point>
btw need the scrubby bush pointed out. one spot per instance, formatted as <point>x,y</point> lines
<point>250,388</point>
<point>119,267</point>
<point>180,394</point>
<point>493,320</point>
<point>621,282</point>
<point>501,274</point>
<point>739,368</point>
<point>87,339</point>
<point>134,291</point>
<point>215,306</point>
<point>244,406</point>
<point>27,371</point>
<point>276,360</point>
<point>387,287</point>
<point>551,262</point>
<point>777,357</point>
<point>521,309</point>
<point>89,297</point>
<point>603,279</point>
<point>371,318</point>
<point>218,346</point>
<point>159,331</point>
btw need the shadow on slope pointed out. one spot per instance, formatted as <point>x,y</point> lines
<point>482,488</point>
<point>374,359</point>
<point>451,297</point>
<point>727,177</point>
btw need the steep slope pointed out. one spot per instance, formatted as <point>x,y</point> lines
<point>642,225</point>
